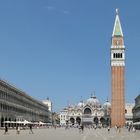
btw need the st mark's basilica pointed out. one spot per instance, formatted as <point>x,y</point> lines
<point>89,112</point>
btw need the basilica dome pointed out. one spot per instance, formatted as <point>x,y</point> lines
<point>93,101</point>
<point>107,105</point>
<point>80,104</point>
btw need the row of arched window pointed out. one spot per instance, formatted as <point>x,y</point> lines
<point>117,55</point>
<point>23,101</point>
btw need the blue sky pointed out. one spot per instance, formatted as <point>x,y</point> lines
<point>61,48</point>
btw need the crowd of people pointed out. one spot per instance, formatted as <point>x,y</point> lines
<point>117,128</point>
<point>18,128</point>
<point>81,127</point>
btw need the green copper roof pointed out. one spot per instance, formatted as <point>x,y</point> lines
<point>117,27</point>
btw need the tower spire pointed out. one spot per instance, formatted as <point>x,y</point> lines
<point>117,11</point>
<point>117,31</point>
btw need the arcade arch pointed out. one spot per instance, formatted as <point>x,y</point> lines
<point>78,120</point>
<point>96,120</point>
<point>102,120</point>
<point>72,120</point>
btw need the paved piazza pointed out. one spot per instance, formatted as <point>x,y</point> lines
<point>70,134</point>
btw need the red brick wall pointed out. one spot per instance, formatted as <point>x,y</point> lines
<point>118,97</point>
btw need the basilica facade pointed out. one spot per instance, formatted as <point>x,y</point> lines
<point>89,112</point>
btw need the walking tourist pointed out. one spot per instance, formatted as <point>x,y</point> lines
<point>31,131</point>
<point>129,127</point>
<point>81,128</point>
<point>108,128</point>
<point>133,129</point>
<point>6,129</point>
<point>119,129</point>
<point>18,129</point>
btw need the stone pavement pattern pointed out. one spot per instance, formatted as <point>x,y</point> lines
<point>70,134</point>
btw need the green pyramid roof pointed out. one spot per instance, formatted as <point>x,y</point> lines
<point>117,27</point>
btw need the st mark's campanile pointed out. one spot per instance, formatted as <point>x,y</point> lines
<point>118,75</point>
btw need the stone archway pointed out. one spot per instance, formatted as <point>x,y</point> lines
<point>96,120</point>
<point>108,121</point>
<point>72,120</point>
<point>78,120</point>
<point>87,111</point>
<point>103,121</point>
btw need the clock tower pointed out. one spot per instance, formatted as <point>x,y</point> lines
<point>118,75</point>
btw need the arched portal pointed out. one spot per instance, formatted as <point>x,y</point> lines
<point>108,121</point>
<point>72,120</point>
<point>78,120</point>
<point>96,120</point>
<point>102,120</point>
<point>87,111</point>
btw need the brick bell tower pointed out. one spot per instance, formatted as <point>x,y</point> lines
<point>118,75</point>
